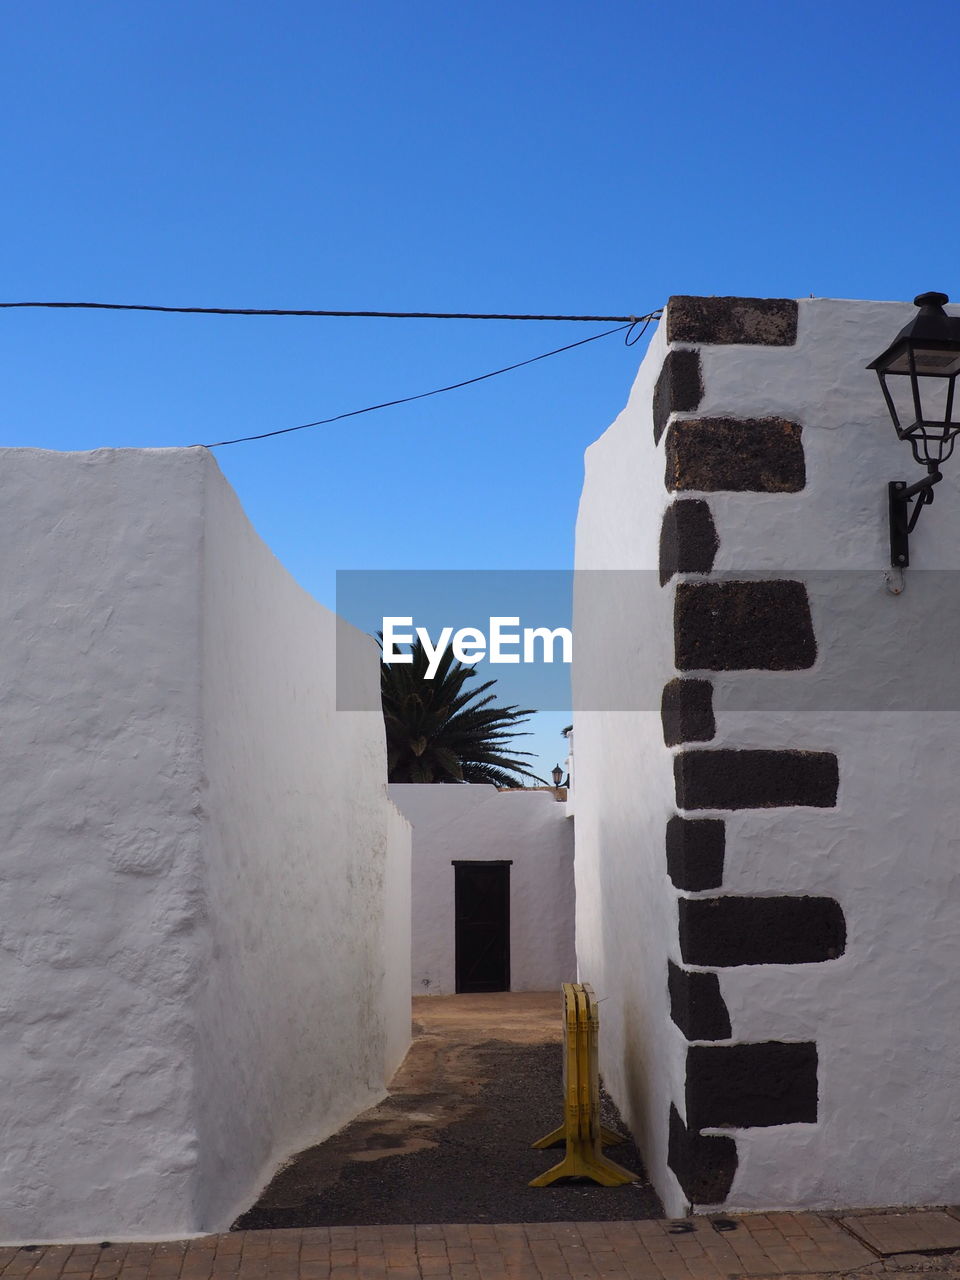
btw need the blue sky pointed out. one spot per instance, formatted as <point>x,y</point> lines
<point>437,156</point>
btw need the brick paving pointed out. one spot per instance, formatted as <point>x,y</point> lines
<point>907,1232</point>
<point>762,1245</point>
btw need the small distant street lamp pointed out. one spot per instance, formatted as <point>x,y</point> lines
<point>927,351</point>
<point>556,774</point>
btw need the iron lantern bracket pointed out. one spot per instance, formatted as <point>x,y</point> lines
<point>903,521</point>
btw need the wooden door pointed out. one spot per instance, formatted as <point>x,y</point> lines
<point>482,910</point>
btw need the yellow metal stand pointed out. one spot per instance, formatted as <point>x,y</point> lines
<point>581,1128</point>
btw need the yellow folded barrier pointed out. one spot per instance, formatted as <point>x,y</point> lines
<point>581,1128</point>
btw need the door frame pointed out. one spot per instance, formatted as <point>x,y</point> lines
<point>480,862</point>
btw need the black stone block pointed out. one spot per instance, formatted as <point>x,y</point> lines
<point>695,848</point>
<point>730,779</point>
<point>743,626</point>
<point>688,539</point>
<point>748,1086</point>
<point>696,1005</point>
<point>679,388</point>
<point>704,1167</point>
<point>735,455</point>
<point>686,710</point>
<point>788,929</point>
<point>769,322</point>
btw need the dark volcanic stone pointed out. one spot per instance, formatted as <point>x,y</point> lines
<point>696,1005</point>
<point>730,779</point>
<point>789,929</point>
<point>770,322</point>
<point>748,1086</point>
<point>688,539</point>
<point>743,626</point>
<point>679,388</point>
<point>695,849</point>
<point>686,710</point>
<point>735,455</point>
<point>705,1166</point>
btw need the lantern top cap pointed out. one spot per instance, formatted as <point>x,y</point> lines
<point>930,327</point>
<point>931,300</point>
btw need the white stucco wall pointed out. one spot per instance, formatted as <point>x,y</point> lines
<point>292,1022</point>
<point>100,840</point>
<point>196,855</point>
<point>886,1014</point>
<point>479,823</point>
<point>397,929</point>
<point>626,920</point>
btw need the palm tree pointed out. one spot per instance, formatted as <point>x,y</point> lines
<point>438,732</point>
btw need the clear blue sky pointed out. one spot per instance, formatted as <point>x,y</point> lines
<point>422,155</point>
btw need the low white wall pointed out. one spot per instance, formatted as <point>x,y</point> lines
<point>199,862</point>
<point>479,823</point>
<point>300,845</point>
<point>885,1014</point>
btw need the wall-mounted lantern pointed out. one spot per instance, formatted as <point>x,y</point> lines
<point>556,773</point>
<point>927,352</point>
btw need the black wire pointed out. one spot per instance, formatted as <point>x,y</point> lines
<point>257,311</point>
<point>388,404</point>
<point>630,324</point>
<point>632,339</point>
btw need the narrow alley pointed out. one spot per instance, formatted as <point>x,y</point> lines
<point>452,1141</point>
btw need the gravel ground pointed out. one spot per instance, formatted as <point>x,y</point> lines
<point>473,1169</point>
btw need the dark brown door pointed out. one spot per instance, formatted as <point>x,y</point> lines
<point>482,906</point>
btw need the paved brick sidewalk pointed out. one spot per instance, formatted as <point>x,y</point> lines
<point>773,1244</point>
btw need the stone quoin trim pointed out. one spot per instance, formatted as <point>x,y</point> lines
<point>743,626</point>
<point>748,1086</point>
<point>688,539</point>
<point>731,779</point>
<point>695,848</point>
<point>679,388</point>
<point>726,624</point>
<point>768,322</point>
<point>686,711</point>
<point>736,455</point>
<point>696,1005</point>
<point>704,1166</point>
<point>735,930</point>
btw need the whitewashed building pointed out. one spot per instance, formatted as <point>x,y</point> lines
<point>493,888</point>
<point>767,753</point>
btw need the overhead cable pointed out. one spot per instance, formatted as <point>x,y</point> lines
<point>277,311</point>
<point>635,326</point>
<point>423,395</point>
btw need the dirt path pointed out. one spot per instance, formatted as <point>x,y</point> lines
<point>451,1142</point>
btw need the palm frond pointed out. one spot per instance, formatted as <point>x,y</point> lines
<point>439,731</point>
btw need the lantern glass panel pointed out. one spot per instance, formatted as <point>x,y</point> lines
<point>932,362</point>
<point>936,400</point>
<point>937,406</point>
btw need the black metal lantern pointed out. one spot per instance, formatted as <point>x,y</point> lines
<point>927,352</point>
<point>556,774</point>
